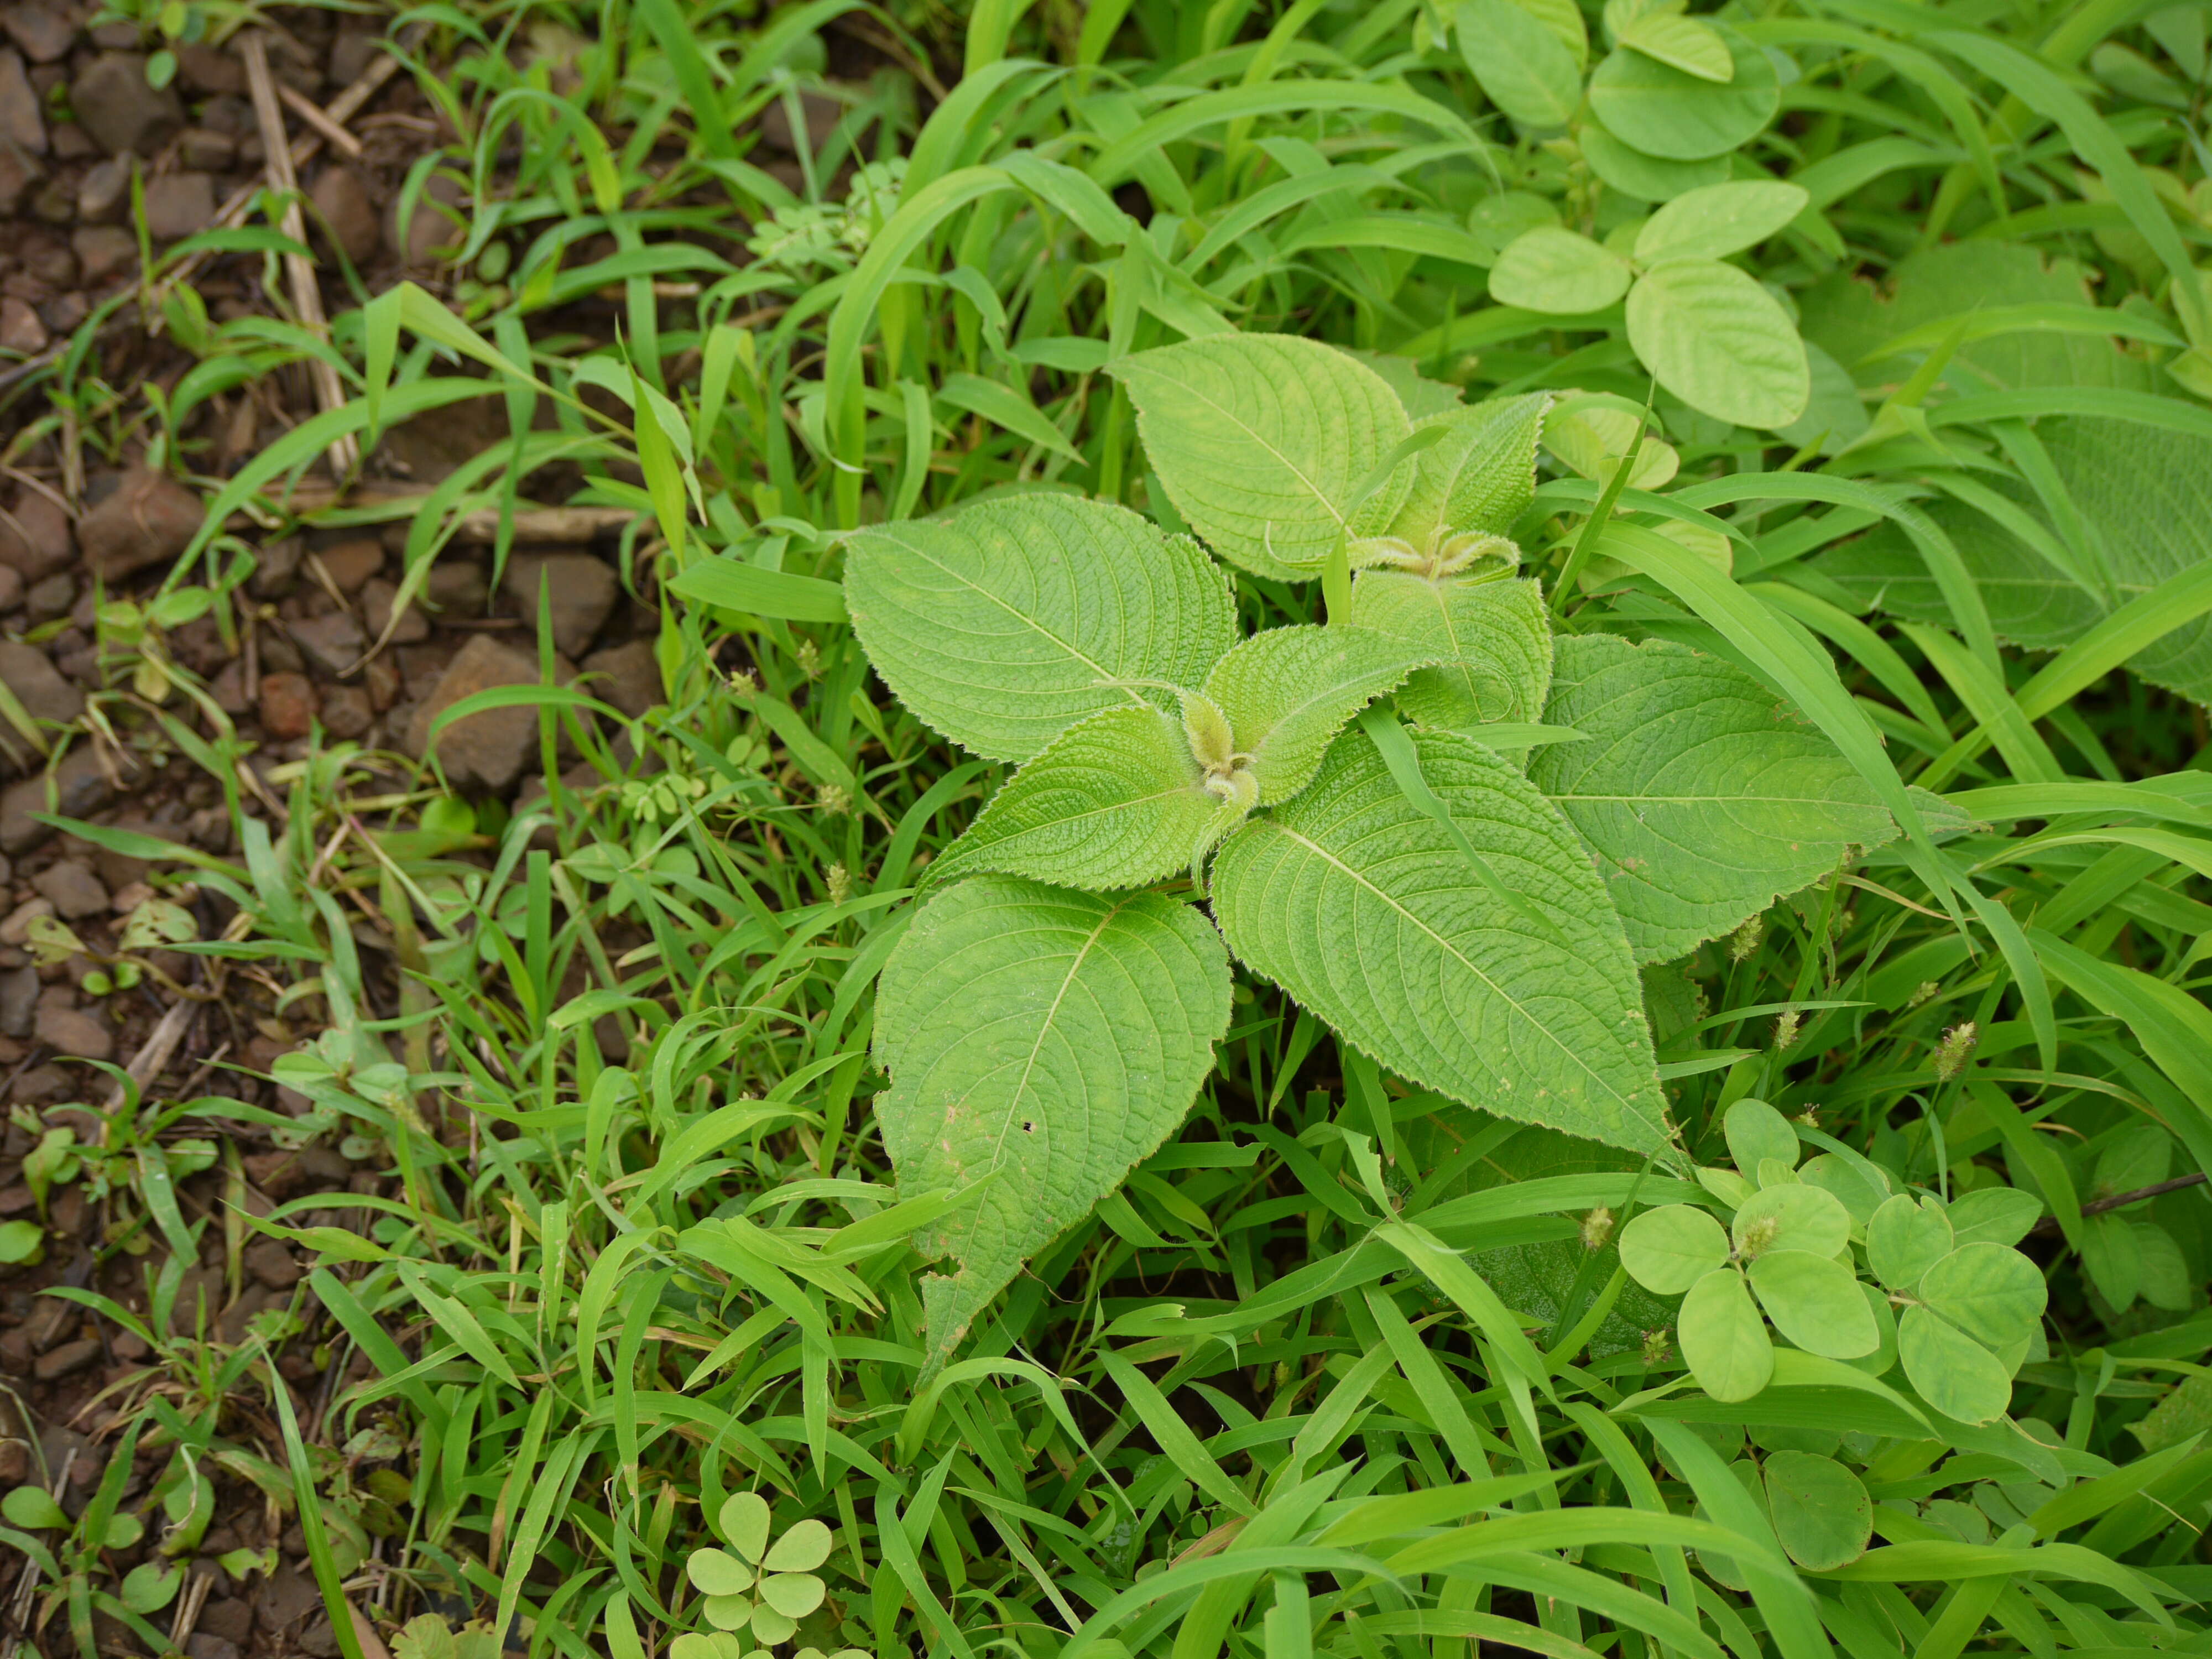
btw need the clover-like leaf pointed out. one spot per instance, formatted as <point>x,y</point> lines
<point>1857,1185</point>
<point>1791,1216</point>
<point>1904,1239</point>
<point>1684,42</point>
<point>802,1549</point>
<point>1990,1292</point>
<point>1116,800</point>
<point>729,1611</point>
<point>1367,911</point>
<point>771,1628</point>
<point>1670,1249</point>
<point>1950,1371</point>
<point>793,1595</point>
<point>1288,691</point>
<point>1994,1215</point>
<point>1823,1516</point>
<point>1724,1342</point>
<point>1704,795</point>
<point>1047,1038</point>
<point>1755,1131</point>
<point>1261,441</point>
<point>745,1520</point>
<point>1719,219</point>
<point>1815,1302</point>
<point>1005,625</point>
<point>717,1572</point>
<point>1489,642</point>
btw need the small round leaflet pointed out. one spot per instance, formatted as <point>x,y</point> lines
<point>1990,1292</point>
<point>1720,343</point>
<point>1815,1303</point>
<point>1648,178</point>
<point>1949,1370</point>
<point>1756,1131</point>
<point>1791,1216</point>
<point>1664,111</point>
<point>1723,1338</point>
<point>1822,1514</point>
<point>1904,1240</point>
<point>1670,1249</point>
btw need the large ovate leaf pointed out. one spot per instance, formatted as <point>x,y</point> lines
<point>1554,270</point>
<point>2146,496</point>
<point>1490,639</point>
<point>1720,342</point>
<point>1823,1515</point>
<point>1523,66</point>
<point>1724,1342</point>
<point>1288,691</point>
<point>1004,626</point>
<point>1479,478</point>
<point>1366,911</point>
<point>1648,178</point>
<point>1046,1038</point>
<point>1720,220</point>
<point>1261,441</point>
<point>1990,1292</point>
<point>1115,801</point>
<point>1814,1300</point>
<point>1678,117</point>
<point>1683,43</point>
<point>1949,1370</point>
<point>1702,795</point>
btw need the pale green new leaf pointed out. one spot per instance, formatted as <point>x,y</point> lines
<point>1814,1300</point>
<point>1490,640</point>
<point>1702,795</point>
<point>1554,270</point>
<point>1005,625</point>
<point>1288,691</point>
<point>1682,43</point>
<point>1115,801</point>
<point>1523,66</point>
<point>1479,478</point>
<point>1677,117</point>
<point>1261,441</point>
<point>1366,911</point>
<point>1724,1342</point>
<point>1648,178</point>
<point>1719,219</point>
<point>1049,1038</point>
<point>1990,1292</point>
<point>1949,1370</point>
<point>1720,342</point>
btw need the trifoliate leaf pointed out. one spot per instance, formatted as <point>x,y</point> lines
<point>1365,910</point>
<point>1648,178</point>
<point>1822,1513</point>
<point>802,1549</point>
<point>1115,801</point>
<point>1288,691</point>
<point>1003,627</point>
<point>1724,1342</point>
<point>1815,1302</point>
<point>1702,794</point>
<point>1904,1239</point>
<point>1719,342</point>
<point>1990,1292</point>
<point>1491,642</point>
<point>1950,1371</point>
<point>1854,1186</point>
<point>793,1595</point>
<point>717,1572</point>
<point>1048,1038</point>
<point>745,1523</point>
<point>1672,1248</point>
<point>1262,441</point>
<point>1479,478</point>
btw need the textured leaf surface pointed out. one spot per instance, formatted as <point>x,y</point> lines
<point>1054,1038</point>
<point>1479,478</point>
<point>1003,627</point>
<point>1288,691</point>
<point>1493,641</point>
<point>1720,342</point>
<point>2146,495</point>
<point>1261,440</point>
<point>1718,221</point>
<point>1553,269</point>
<point>1822,1512</point>
<point>1114,801</point>
<point>1523,66</point>
<point>1678,117</point>
<point>1703,798</point>
<point>1365,910</point>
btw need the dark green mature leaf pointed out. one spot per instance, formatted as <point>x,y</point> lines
<point>1047,1038</point>
<point>1366,912</point>
<point>1822,1513</point>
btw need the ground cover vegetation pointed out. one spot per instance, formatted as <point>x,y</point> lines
<point>1146,829</point>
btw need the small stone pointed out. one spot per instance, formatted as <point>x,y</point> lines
<point>15,926</point>
<point>11,588</point>
<point>288,706</point>
<point>376,601</point>
<point>205,1645</point>
<point>67,1360</point>
<point>343,203</point>
<point>71,143</point>
<point>45,695</point>
<point>129,899</point>
<point>21,329</point>
<point>431,232</point>
<point>179,205</point>
<point>19,1000</point>
<point>210,70</point>
<point>115,106</point>
<point>147,519</point>
<point>119,34</point>
<point>43,32</point>
<point>630,677</point>
<point>458,585</point>
<point>75,892</point>
<point>581,592</point>
<point>19,175</point>
<point>207,149</point>
<point>275,1266</point>
<point>35,538</point>
<point>80,788</point>
<point>351,564</point>
<point>102,251</point>
<point>277,569</point>
<point>487,749</point>
<point>230,1619</point>
<point>351,54</point>
<point>348,711</point>
<point>103,197</point>
<point>286,1599</point>
<point>20,115</point>
<point>228,689</point>
<point>50,598</point>
<point>71,1031</point>
<point>334,643</point>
